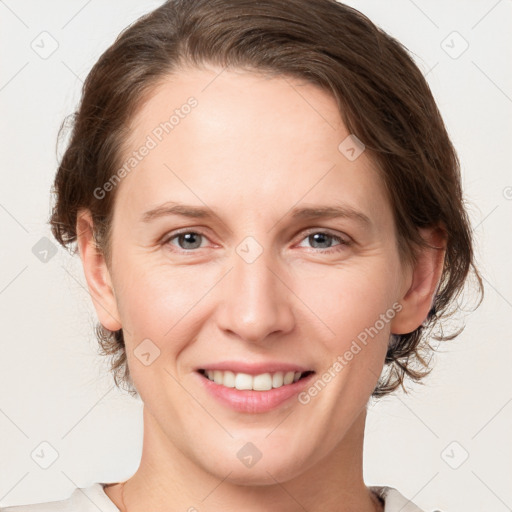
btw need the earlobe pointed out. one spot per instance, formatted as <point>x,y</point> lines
<point>418,299</point>
<point>96,273</point>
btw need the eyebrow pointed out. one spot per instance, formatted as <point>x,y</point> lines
<point>313,212</point>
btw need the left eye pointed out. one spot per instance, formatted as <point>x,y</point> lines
<point>190,240</point>
<point>322,238</point>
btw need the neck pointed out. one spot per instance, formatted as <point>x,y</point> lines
<point>168,480</point>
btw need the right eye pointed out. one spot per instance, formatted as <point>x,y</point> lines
<point>187,240</point>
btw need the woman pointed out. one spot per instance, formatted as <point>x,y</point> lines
<point>269,214</point>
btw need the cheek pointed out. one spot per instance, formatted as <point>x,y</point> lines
<point>347,301</point>
<point>154,296</point>
<point>161,303</point>
<point>153,309</point>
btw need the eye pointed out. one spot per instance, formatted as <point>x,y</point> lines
<point>187,240</point>
<point>325,239</point>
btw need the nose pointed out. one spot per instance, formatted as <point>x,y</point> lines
<point>256,305</point>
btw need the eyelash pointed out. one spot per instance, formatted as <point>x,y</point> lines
<point>342,242</point>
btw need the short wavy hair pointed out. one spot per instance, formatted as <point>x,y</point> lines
<point>382,97</point>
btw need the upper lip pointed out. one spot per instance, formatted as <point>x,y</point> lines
<point>255,368</point>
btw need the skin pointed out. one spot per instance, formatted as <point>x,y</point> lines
<point>253,149</point>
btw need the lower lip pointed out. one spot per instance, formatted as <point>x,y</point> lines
<point>251,401</point>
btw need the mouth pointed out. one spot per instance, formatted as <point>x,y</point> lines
<point>260,382</point>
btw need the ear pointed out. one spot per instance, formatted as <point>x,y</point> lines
<point>422,285</point>
<point>96,273</point>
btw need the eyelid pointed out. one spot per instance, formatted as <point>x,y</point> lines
<point>336,234</point>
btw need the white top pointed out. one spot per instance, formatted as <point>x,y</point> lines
<point>94,499</point>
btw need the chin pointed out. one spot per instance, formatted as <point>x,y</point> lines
<point>276,466</point>
<point>263,476</point>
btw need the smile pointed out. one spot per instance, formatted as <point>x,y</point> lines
<point>252,399</point>
<point>261,382</point>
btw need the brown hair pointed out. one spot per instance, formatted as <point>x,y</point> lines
<point>382,97</point>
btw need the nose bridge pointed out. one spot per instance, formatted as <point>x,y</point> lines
<point>256,303</point>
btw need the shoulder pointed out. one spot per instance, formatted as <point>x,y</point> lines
<point>84,499</point>
<point>394,501</point>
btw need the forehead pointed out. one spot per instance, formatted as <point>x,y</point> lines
<point>212,132</point>
<point>235,105</point>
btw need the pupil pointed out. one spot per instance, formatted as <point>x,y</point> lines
<point>323,237</point>
<point>189,239</point>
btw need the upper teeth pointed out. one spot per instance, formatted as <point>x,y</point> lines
<point>262,382</point>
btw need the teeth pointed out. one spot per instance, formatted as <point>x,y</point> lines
<point>243,381</point>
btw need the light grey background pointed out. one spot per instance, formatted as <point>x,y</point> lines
<point>55,389</point>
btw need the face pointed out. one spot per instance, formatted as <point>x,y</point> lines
<point>245,242</point>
